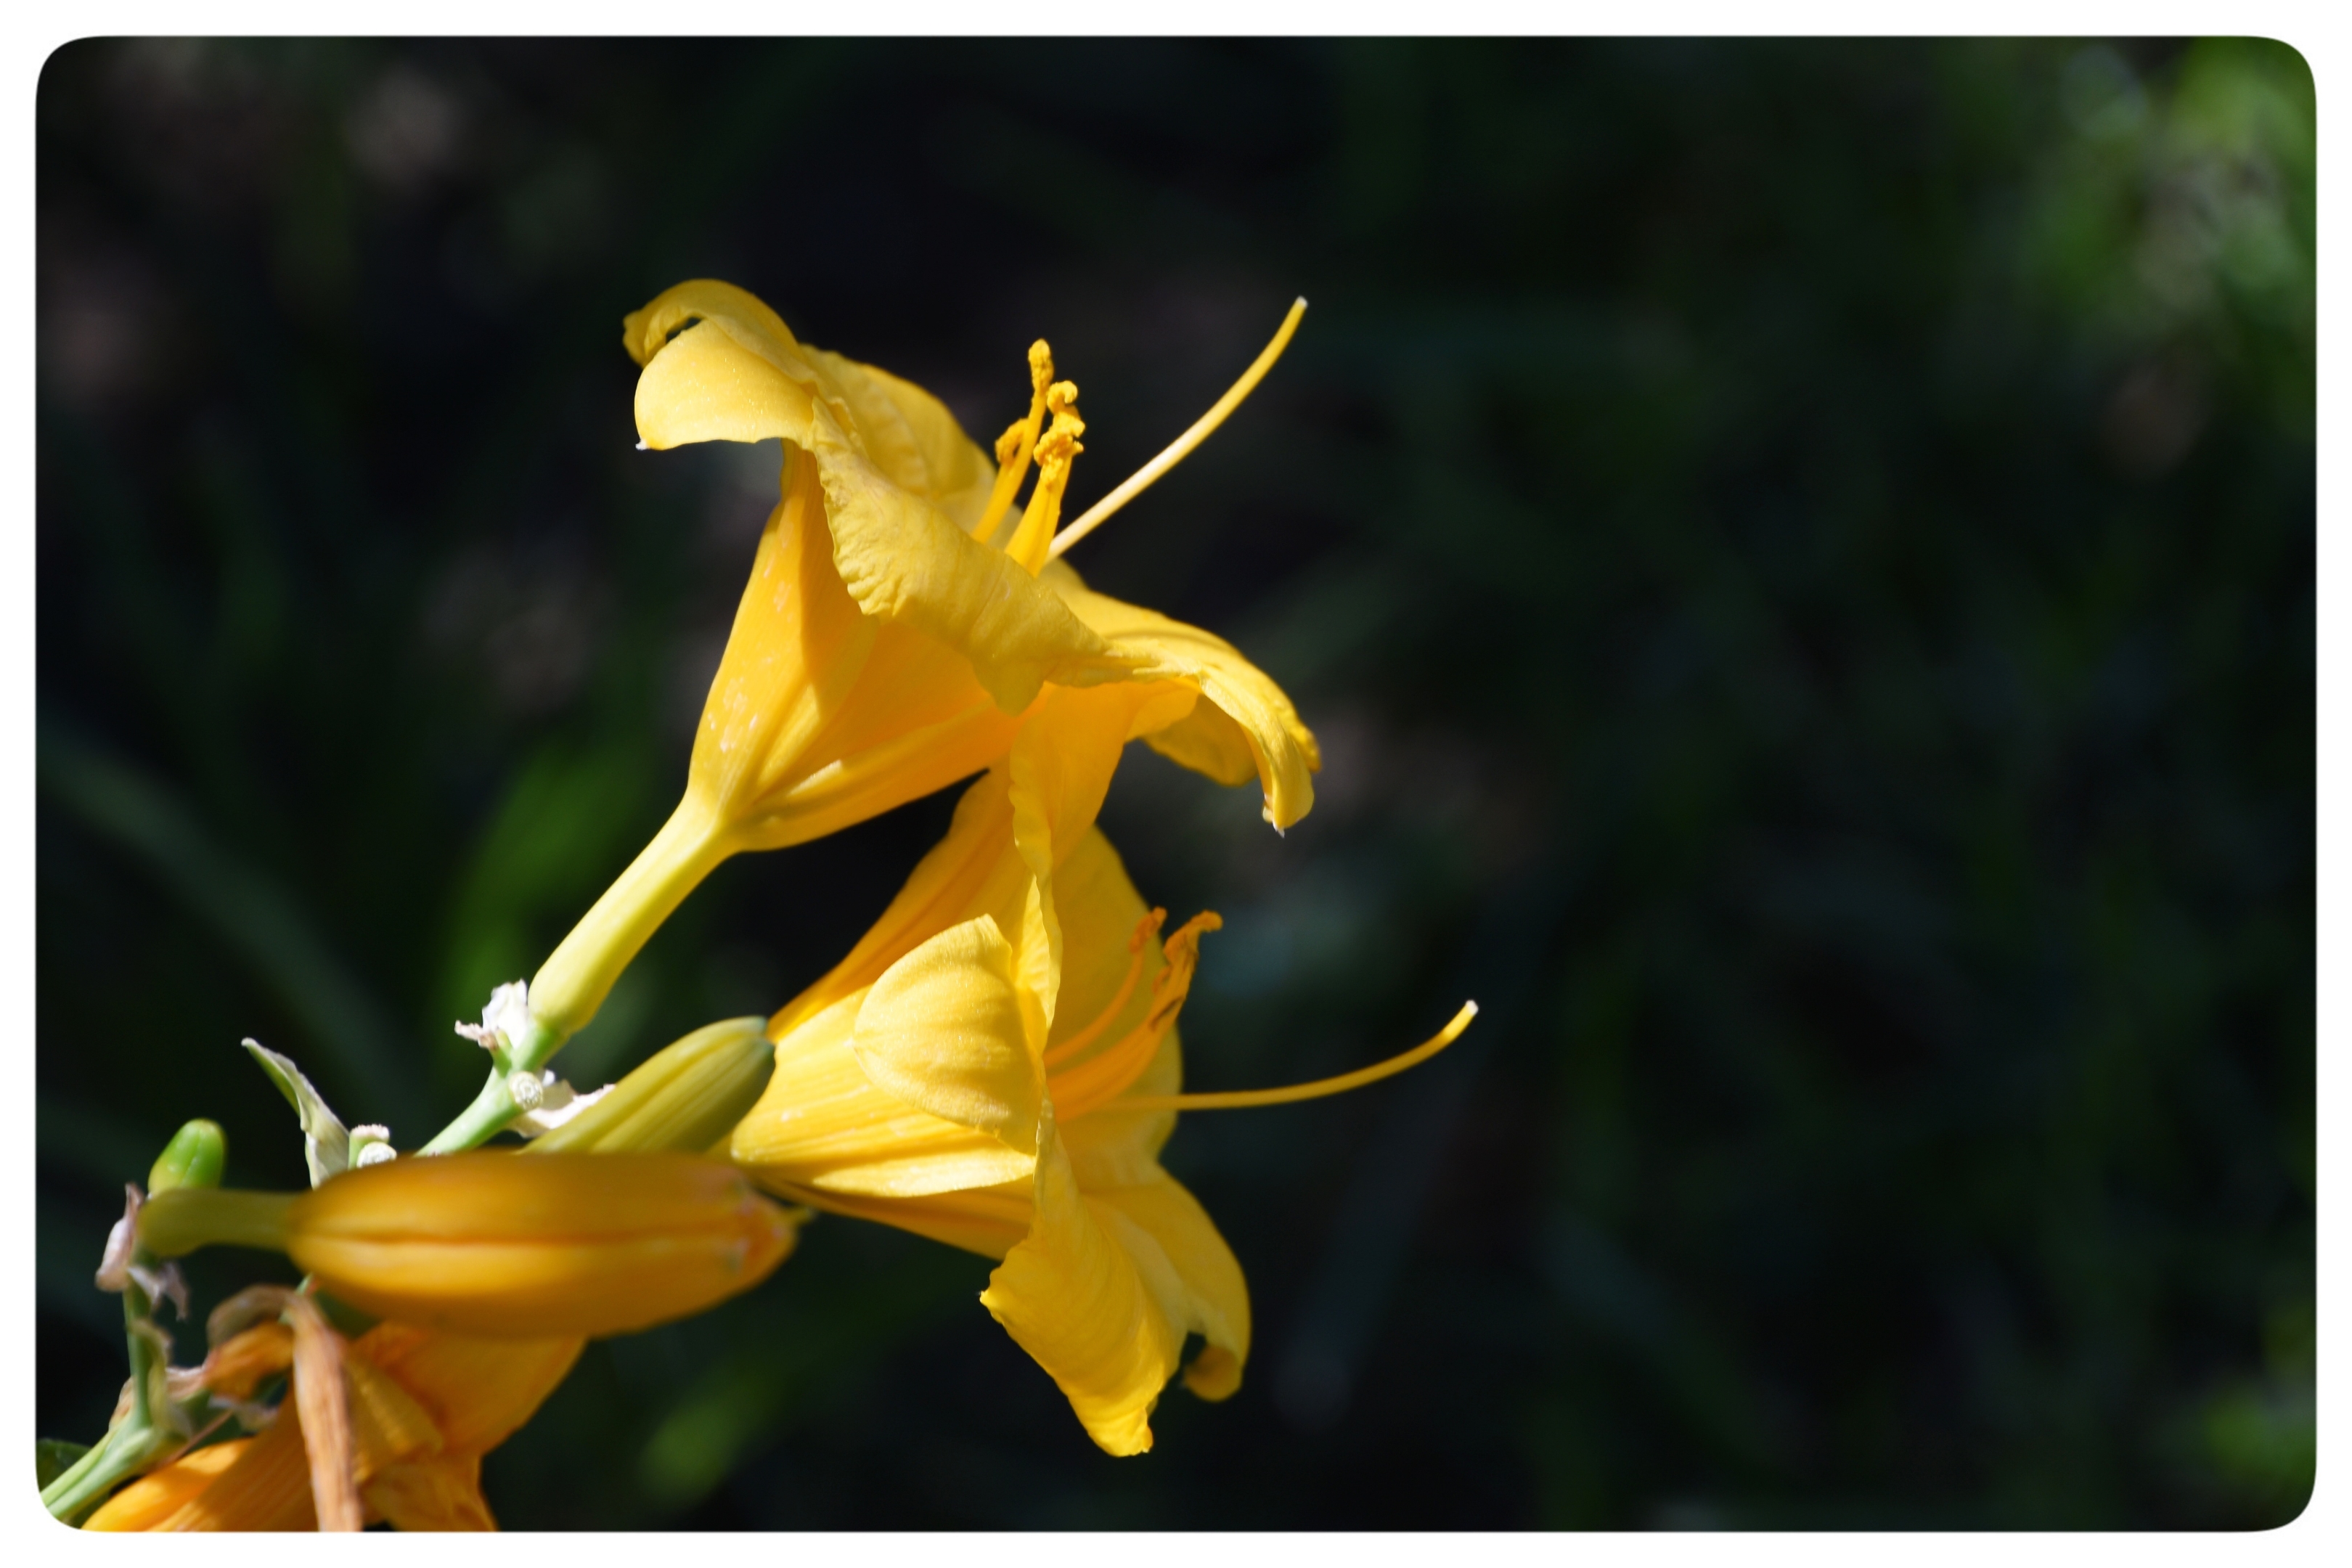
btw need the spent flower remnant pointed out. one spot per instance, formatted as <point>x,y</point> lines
<point>995,1064</point>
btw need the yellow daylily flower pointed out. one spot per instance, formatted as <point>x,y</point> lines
<point>424,1405</point>
<point>902,621</point>
<point>997,1067</point>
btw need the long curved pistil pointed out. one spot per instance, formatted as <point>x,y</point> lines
<point>1242,1099</point>
<point>1144,477</point>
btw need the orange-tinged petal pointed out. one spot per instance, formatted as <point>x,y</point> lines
<point>388,1425</point>
<point>989,1221</point>
<point>477,1391</point>
<point>155,1496</point>
<point>1099,910</point>
<point>1094,1081</point>
<point>442,1493</point>
<point>266,1486</point>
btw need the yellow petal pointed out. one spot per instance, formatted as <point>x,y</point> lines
<point>823,1124</point>
<point>1071,1296</point>
<point>905,561</point>
<point>900,551</point>
<point>1201,1289</point>
<point>910,436</point>
<point>944,1030</point>
<point>820,716</point>
<point>989,1221</point>
<point>1063,762</point>
<point>1281,750</point>
<point>707,386</point>
<point>643,332</point>
<point>443,1493</point>
<point>153,1498</point>
<point>974,870</point>
<point>796,648</point>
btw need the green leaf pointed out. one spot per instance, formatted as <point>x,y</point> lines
<point>53,1456</point>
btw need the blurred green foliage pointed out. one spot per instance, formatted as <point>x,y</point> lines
<point>1799,554</point>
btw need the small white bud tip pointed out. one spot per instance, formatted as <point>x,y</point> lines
<point>376,1154</point>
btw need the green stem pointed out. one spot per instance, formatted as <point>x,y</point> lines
<point>577,976</point>
<point>129,1447</point>
<point>573,982</point>
<point>176,1223</point>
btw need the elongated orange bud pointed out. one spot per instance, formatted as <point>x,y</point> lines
<point>494,1245</point>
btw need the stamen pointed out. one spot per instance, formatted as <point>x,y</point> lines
<point>1243,1100</point>
<point>1145,930</point>
<point>1096,1083</point>
<point>1057,450</point>
<point>1144,477</point>
<point>1019,440</point>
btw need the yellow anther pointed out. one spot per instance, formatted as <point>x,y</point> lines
<point>1019,440</point>
<point>1055,450</point>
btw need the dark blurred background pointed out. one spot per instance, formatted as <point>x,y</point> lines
<point>1799,554</point>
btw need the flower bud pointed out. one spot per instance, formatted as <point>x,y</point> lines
<point>498,1244</point>
<point>194,1158</point>
<point>685,1097</point>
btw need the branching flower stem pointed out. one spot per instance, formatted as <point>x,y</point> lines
<point>132,1444</point>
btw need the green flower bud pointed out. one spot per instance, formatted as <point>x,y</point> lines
<point>194,1158</point>
<point>687,1097</point>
